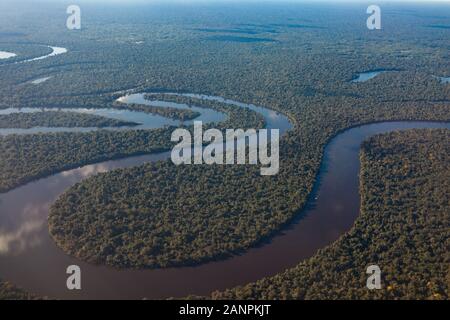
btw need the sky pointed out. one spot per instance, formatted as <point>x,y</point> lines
<point>368,2</point>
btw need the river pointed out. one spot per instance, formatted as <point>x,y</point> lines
<point>30,259</point>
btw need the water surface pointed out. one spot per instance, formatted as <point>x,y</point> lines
<point>145,120</point>
<point>366,76</point>
<point>444,79</point>
<point>6,55</point>
<point>30,259</point>
<point>55,51</point>
<point>40,80</point>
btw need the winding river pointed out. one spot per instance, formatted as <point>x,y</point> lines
<point>30,259</point>
<point>145,120</point>
<point>55,52</point>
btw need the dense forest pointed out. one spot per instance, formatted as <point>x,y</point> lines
<point>403,227</point>
<point>160,215</point>
<point>22,51</point>
<point>9,292</point>
<point>31,156</point>
<point>305,73</point>
<point>58,119</point>
<point>168,112</point>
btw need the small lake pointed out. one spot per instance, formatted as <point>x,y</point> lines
<point>40,80</point>
<point>7,55</point>
<point>366,76</point>
<point>444,79</point>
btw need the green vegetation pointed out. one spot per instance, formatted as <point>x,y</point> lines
<point>58,119</point>
<point>168,112</point>
<point>28,157</point>
<point>10,292</point>
<point>304,73</point>
<point>160,215</point>
<point>404,227</point>
<point>172,113</point>
<point>237,117</point>
<point>22,51</point>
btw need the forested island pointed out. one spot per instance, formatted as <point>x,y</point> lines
<point>173,220</point>
<point>168,112</point>
<point>22,51</point>
<point>403,227</point>
<point>28,157</point>
<point>58,119</point>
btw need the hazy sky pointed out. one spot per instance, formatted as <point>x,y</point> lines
<point>380,2</point>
